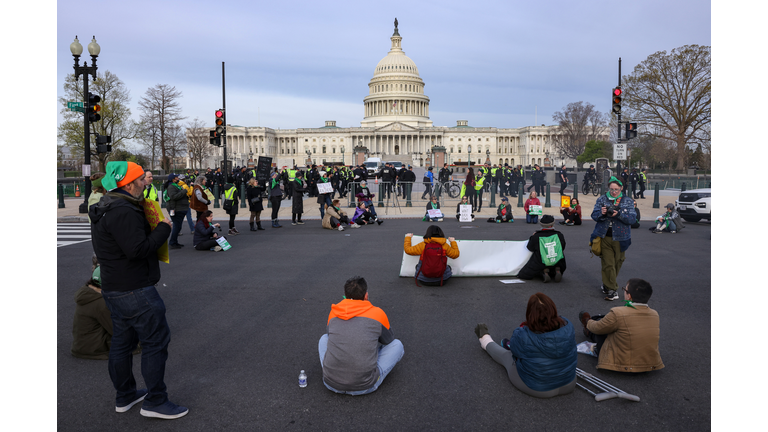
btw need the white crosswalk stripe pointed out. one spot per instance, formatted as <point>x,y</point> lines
<point>72,233</point>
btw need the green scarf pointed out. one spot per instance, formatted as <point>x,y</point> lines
<point>628,303</point>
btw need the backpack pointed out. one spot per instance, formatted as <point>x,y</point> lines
<point>551,250</point>
<point>433,262</point>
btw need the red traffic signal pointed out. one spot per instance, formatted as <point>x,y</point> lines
<point>616,100</point>
<point>220,121</point>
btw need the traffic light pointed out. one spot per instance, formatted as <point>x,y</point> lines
<point>631,130</point>
<point>215,139</point>
<point>220,121</point>
<point>616,98</point>
<point>93,108</point>
<point>102,143</point>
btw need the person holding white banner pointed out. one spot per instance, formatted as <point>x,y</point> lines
<point>464,202</point>
<point>532,214</point>
<point>548,259</point>
<point>433,204</point>
<point>435,245</point>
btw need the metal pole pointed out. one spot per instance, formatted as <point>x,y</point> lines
<point>618,124</point>
<point>86,146</point>
<point>224,119</point>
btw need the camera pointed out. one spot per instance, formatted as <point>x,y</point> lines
<point>610,208</point>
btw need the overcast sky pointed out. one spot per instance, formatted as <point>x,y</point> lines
<point>297,64</point>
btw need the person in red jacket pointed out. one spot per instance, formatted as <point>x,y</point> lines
<point>532,200</point>
<point>572,214</point>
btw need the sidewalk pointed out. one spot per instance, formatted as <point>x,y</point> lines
<point>312,209</point>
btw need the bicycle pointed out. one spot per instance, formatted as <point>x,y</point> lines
<point>451,188</point>
<point>590,185</point>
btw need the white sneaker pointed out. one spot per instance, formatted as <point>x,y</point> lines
<point>216,248</point>
<point>354,225</point>
<point>341,228</point>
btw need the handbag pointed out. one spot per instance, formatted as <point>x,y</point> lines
<point>228,204</point>
<point>595,246</point>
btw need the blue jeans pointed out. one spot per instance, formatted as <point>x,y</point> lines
<point>138,316</point>
<point>532,219</point>
<point>389,355</point>
<point>189,219</point>
<point>178,222</point>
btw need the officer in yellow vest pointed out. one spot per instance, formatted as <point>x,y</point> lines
<point>150,192</point>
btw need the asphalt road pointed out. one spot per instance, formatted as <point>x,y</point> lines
<point>246,321</point>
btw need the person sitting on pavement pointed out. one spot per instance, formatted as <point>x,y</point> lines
<point>335,217</point>
<point>92,324</point>
<point>669,222</point>
<point>572,214</point>
<point>503,213</point>
<point>532,200</point>
<point>464,201</point>
<point>362,216</point>
<point>364,195</point>
<point>435,243</point>
<point>433,204</point>
<point>205,238</point>
<point>359,348</point>
<point>540,356</point>
<point>628,337</point>
<point>548,259</point>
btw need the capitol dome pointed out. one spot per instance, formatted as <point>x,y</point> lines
<point>396,91</point>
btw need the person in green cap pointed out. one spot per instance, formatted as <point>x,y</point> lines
<point>614,215</point>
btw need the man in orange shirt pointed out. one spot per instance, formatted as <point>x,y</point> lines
<point>359,349</point>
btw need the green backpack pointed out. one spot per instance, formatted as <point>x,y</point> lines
<point>551,250</point>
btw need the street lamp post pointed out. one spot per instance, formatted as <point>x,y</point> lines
<point>93,49</point>
<point>487,156</point>
<point>343,162</point>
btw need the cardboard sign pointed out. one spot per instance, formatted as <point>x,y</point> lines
<point>324,188</point>
<point>154,214</point>
<point>209,195</point>
<point>534,210</point>
<point>435,213</point>
<point>565,201</point>
<point>465,213</point>
<point>223,243</point>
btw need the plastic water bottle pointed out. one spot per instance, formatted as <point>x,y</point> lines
<point>302,379</point>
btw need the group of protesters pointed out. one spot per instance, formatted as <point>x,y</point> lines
<point>358,349</point>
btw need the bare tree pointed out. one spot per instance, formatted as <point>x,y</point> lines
<point>198,143</point>
<point>672,94</point>
<point>161,113</point>
<point>115,116</point>
<point>577,124</point>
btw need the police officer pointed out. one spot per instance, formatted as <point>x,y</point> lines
<point>150,192</point>
<point>642,179</point>
<point>625,180</point>
<point>563,180</point>
<point>633,178</point>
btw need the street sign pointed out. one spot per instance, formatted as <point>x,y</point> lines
<point>619,152</point>
<point>77,108</point>
<point>71,105</point>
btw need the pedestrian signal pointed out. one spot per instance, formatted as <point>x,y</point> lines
<point>631,130</point>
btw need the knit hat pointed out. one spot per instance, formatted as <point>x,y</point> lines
<point>547,221</point>
<point>97,275</point>
<point>120,173</point>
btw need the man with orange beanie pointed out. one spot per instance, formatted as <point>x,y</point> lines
<point>126,246</point>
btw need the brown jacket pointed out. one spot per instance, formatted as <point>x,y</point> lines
<point>632,344</point>
<point>331,211</point>
<point>196,204</point>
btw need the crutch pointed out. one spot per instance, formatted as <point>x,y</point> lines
<point>608,391</point>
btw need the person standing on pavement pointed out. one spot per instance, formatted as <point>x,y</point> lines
<point>642,179</point>
<point>409,177</point>
<point>275,197</point>
<point>534,180</point>
<point>126,247</point>
<point>563,180</point>
<point>199,201</point>
<point>231,195</point>
<point>253,195</point>
<point>178,206</point>
<point>614,215</point>
<point>468,188</point>
<point>625,180</point>
<point>150,192</point>
<point>428,180</point>
<point>633,179</point>
<point>298,187</point>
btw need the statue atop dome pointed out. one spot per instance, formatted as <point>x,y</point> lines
<point>396,33</point>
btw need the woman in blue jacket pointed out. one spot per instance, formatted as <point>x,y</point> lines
<point>540,357</point>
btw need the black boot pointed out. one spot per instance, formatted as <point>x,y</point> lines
<point>252,228</point>
<point>258,224</point>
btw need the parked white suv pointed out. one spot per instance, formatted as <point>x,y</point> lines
<point>695,205</point>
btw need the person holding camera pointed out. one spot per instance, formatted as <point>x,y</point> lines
<point>614,213</point>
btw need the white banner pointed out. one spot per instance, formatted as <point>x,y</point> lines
<point>478,258</point>
<point>465,213</point>
<point>324,188</point>
<point>435,213</point>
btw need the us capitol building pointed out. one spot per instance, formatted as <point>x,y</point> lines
<point>395,127</point>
